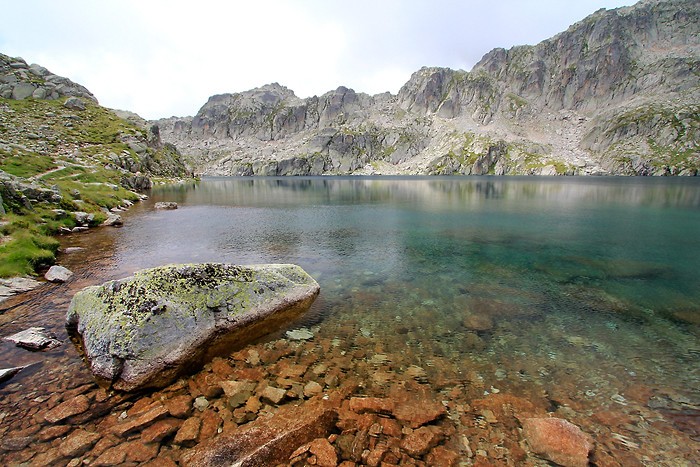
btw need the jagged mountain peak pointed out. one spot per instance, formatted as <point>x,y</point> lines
<point>565,105</point>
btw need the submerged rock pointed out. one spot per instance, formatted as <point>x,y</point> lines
<point>166,205</point>
<point>16,285</point>
<point>9,373</point>
<point>266,441</point>
<point>146,330</point>
<point>34,339</point>
<point>58,274</point>
<point>558,440</point>
<point>301,334</point>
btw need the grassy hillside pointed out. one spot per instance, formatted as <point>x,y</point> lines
<point>56,161</point>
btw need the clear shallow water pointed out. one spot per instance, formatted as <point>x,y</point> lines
<point>583,291</point>
<point>597,278</point>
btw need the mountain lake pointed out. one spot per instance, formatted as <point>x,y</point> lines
<point>578,294</point>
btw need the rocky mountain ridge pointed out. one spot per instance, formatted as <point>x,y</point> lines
<point>616,93</point>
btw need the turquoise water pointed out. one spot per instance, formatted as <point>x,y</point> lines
<point>579,295</point>
<point>525,278</point>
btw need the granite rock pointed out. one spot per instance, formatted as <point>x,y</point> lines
<point>148,329</point>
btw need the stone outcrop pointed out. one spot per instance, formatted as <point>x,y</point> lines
<point>146,330</point>
<point>21,81</point>
<point>617,93</point>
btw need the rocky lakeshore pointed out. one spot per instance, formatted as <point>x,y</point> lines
<point>349,406</point>
<point>335,394</point>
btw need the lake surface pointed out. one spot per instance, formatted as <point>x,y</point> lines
<point>584,291</point>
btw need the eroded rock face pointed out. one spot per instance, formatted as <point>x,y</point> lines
<point>146,330</point>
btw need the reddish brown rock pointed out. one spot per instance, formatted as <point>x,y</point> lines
<point>419,412</point>
<point>78,443</point>
<point>292,371</point>
<point>390,427</point>
<point>506,408</point>
<point>266,441</point>
<point>312,388</point>
<point>112,456</point>
<point>161,462</point>
<point>52,432</point>
<point>420,441</point>
<point>273,395</point>
<point>375,456</point>
<point>142,405</point>
<point>234,388</point>
<point>210,425</point>
<point>253,405</point>
<point>138,452</point>
<point>140,421</point>
<point>443,457</point>
<point>48,457</point>
<point>478,322</point>
<point>252,374</point>
<point>324,452</point>
<point>371,405</point>
<point>179,406</point>
<point>221,367</point>
<point>130,453</point>
<point>74,406</point>
<point>103,444</point>
<point>188,432</point>
<point>558,440</point>
<point>160,430</point>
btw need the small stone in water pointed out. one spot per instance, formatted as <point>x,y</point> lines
<point>201,403</point>
<point>34,339</point>
<point>619,399</point>
<point>300,334</point>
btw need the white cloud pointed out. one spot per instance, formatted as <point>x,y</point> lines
<point>161,58</point>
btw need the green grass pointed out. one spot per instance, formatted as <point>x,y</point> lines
<point>85,184</point>
<point>25,252</point>
<point>25,165</point>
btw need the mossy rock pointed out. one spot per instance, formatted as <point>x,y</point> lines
<point>146,330</point>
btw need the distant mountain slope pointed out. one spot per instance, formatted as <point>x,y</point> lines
<point>615,93</point>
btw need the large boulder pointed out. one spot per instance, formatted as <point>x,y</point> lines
<point>146,330</point>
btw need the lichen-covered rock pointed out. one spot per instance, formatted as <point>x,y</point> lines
<point>146,330</point>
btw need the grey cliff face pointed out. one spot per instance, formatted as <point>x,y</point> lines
<point>617,92</point>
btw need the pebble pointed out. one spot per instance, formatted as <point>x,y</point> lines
<point>201,403</point>
<point>300,334</point>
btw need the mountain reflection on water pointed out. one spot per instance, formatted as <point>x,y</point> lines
<point>583,292</point>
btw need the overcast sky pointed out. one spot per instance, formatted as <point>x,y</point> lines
<point>163,58</point>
